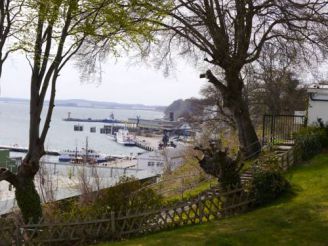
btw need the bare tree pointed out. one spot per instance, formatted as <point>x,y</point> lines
<point>273,85</point>
<point>231,33</point>
<point>213,103</point>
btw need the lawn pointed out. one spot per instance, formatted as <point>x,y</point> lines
<point>300,218</point>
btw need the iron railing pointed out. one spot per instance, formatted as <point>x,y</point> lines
<point>280,129</point>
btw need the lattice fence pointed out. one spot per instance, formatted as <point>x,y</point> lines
<point>207,206</point>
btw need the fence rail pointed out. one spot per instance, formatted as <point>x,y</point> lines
<point>209,205</point>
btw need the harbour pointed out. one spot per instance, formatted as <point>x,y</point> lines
<point>64,176</point>
<point>14,129</point>
<point>58,181</point>
<point>85,147</point>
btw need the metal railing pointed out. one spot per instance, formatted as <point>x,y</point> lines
<point>280,129</point>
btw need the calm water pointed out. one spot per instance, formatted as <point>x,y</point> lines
<point>14,128</point>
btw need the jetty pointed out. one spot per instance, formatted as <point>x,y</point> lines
<point>143,145</point>
<point>25,149</point>
<point>148,143</point>
<point>107,120</point>
<point>93,120</point>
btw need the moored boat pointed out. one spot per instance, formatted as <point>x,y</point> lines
<point>124,137</point>
<point>81,156</point>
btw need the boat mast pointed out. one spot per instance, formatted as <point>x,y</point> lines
<point>86,150</point>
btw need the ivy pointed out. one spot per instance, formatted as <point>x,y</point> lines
<point>29,201</point>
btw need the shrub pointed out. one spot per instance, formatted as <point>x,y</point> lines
<point>268,185</point>
<point>267,162</point>
<point>311,140</point>
<point>127,194</point>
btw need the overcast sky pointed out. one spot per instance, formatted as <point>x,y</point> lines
<point>121,83</point>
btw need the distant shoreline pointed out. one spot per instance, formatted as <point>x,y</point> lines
<point>80,103</point>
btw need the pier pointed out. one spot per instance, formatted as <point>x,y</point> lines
<point>25,149</point>
<point>143,145</point>
<point>148,143</point>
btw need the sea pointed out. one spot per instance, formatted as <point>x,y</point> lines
<point>14,128</point>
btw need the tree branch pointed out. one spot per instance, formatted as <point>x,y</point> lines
<point>213,80</point>
<point>8,176</point>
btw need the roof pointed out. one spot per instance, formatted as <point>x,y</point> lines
<point>171,153</point>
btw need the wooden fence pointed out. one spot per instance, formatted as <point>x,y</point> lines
<point>209,205</point>
<point>289,157</point>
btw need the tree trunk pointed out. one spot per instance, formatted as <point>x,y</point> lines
<point>234,101</point>
<point>247,136</point>
<point>28,199</point>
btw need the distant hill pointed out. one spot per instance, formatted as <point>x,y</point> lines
<point>90,104</point>
<point>184,108</point>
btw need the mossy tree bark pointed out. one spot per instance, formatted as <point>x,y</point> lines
<point>219,164</point>
<point>233,99</point>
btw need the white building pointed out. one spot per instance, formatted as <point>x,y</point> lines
<point>318,104</point>
<point>159,160</point>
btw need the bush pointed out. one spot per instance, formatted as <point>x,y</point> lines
<point>268,185</point>
<point>311,140</point>
<point>267,162</point>
<point>127,194</point>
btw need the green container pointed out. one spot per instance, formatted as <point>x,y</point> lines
<point>6,162</point>
<point>4,155</point>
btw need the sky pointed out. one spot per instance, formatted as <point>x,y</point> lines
<point>121,82</point>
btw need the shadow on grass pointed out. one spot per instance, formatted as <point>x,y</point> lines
<point>298,217</point>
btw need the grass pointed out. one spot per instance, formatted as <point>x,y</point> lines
<point>187,180</point>
<point>300,218</point>
<point>194,191</point>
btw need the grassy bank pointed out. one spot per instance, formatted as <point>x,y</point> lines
<point>300,218</point>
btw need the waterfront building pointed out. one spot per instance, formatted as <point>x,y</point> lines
<point>158,161</point>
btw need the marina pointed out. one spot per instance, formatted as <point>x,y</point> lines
<point>61,136</point>
<point>58,181</point>
<point>84,148</point>
<point>118,159</point>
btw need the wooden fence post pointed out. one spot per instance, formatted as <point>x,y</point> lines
<point>112,222</point>
<point>182,188</point>
<point>18,238</point>
<point>200,210</point>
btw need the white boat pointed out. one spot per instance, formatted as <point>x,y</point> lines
<point>81,156</point>
<point>124,137</point>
